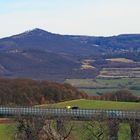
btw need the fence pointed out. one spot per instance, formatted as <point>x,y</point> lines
<point>85,114</point>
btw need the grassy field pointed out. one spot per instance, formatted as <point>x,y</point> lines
<point>123,60</point>
<point>80,134</point>
<point>119,72</point>
<point>124,132</point>
<point>101,82</point>
<point>101,86</point>
<point>7,131</point>
<point>98,104</point>
<point>99,92</point>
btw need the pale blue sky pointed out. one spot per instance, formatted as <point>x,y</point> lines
<point>85,17</point>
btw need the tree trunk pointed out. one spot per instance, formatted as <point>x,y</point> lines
<point>113,129</point>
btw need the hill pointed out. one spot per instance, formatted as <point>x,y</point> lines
<point>95,104</point>
<point>39,54</point>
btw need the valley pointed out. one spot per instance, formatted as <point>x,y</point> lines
<point>101,86</point>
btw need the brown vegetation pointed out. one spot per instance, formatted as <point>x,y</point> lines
<point>6,121</point>
<point>35,128</point>
<point>31,92</point>
<point>120,95</point>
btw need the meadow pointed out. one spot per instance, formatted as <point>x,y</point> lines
<point>95,104</point>
<point>80,133</point>
<point>120,73</point>
<point>101,86</point>
<point>7,131</point>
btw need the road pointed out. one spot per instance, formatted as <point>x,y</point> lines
<point>80,114</point>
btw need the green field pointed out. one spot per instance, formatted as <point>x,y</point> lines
<point>98,92</point>
<point>124,132</point>
<point>119,72</point>
<point>101,86</point>
<point>7,131</point>
<point>101,83</point>
<point>80,134</point>
<point>91,92</point>
<point>97,104</point>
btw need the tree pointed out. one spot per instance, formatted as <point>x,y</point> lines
<point>39,128</point>
<point>95,130</point>
<point>121,95</point>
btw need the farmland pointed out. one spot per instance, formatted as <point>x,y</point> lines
<point>95,104</point>
<point>101,86</point>
<point>7,130</point>
<point>123,60</point>
<point>80,133</point>
<point>120,73</point>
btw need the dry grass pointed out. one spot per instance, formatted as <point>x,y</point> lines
<point>120,72</point>
<point>123,60</point>
<point>86,64</point>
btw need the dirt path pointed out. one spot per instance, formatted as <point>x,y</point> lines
<point>6,121</point>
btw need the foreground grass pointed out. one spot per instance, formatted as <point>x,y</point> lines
<point>95,104</point>
<point>7,131</point>
<point>124,132</point>
<point>80,133</point>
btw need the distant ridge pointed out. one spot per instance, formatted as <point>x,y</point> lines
<point>40,54</point>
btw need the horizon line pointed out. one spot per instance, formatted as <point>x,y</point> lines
<point>67,34</point>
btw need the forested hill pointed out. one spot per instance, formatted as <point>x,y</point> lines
<point>69,44</point>
<point>31,92</point>
<point>38,54</point>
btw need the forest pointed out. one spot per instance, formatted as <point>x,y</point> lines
<point>30,92</point>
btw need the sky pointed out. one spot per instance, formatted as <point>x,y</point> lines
<point>76,17</point>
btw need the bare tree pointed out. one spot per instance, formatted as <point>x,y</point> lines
<point>113,127</point>
<point>39,128</point>
<point>96,130</point>
<point>28,128</point>
<point>135,129</point>
<point>58,134</point>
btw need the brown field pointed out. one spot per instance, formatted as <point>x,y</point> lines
<point>120,73</point>
<point>123,60</point>
<point>6,121</point>
<point>86,64</point>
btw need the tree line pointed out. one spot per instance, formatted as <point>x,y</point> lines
<point>32,92</point>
